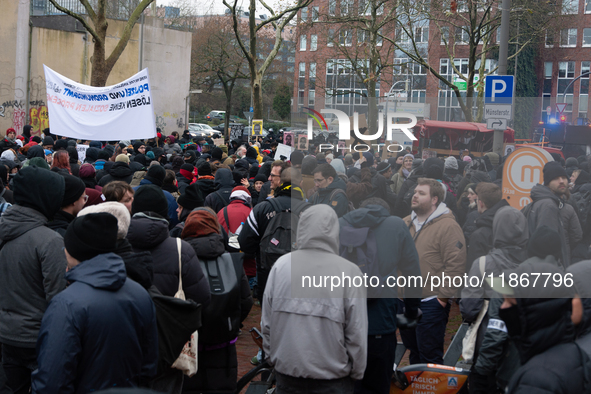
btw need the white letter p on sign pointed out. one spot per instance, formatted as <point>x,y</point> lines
<point>494,87</point>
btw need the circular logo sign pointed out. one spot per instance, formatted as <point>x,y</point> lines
<point>525,169</point>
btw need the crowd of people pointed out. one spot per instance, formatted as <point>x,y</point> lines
<point>85,245</point>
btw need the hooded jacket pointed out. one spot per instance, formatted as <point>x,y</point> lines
<point>481,240</point>
<point>334,323</point>
<point>32,266</point>
<point>98,333</point>
<point>340,202</point>
<point>396,252</point>
<point>151,234</point>
<point>441,247</point>
<point>224,183</point>
<point>546,210</point>
<point>509,249</point>
<point>119,172</point>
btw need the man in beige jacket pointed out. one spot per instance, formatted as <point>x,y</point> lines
<point>442,256</point>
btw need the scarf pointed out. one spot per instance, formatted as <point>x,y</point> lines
<point>405,172</point>
<point>285,189</point>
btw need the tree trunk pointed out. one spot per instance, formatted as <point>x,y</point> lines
<point>99,73</point>
<point>228,92</point>
<point>257,95</point>
<point>372,107</point>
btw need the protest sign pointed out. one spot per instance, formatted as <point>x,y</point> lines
<point>110,113</point>
<point>236,130</point>
<point>82,152</point>
<point>283,150</point>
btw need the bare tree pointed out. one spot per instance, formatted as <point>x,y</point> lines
<point>95,22</point>
<point>467,29</point>
<point>275,24</point>
<point>216,59</point>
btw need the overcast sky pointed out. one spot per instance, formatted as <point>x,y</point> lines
<point>212,6</point>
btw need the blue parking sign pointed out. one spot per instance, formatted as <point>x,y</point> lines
<point>498,89</point>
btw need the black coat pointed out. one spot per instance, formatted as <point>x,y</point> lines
<point>151,234</point>
<point>218,368</point>
<point>60,222</point>
<point>119,172</point>
<point>224,183</point>
<point>481,239</point>
<point>182,182</point>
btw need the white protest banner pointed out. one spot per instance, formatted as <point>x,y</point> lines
<point>82,152</point>
<point>110,113</point>
<point>283,150</point>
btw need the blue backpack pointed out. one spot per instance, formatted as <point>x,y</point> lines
<point>359,246</point>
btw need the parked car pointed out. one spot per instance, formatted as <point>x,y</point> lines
<point>203,130</point>
<point>216,115</point>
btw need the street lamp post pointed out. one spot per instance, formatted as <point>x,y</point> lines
<point>187,101</point>
<point>390,92</point>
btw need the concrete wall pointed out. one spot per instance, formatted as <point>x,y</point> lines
<point>67,49</point>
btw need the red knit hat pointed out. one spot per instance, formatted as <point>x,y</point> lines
<point>244,189</point>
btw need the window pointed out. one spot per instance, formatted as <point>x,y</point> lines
<point>418,69</point>
<point>444,35</point>
<point>444,67</point>
<point>400,66</point>
<point>566,69</point>
<point>291,59</point>
<point>346,37</point>
<point>548,70</point>
<point>332,7</point>
<point>312,71</point>
<point>330,39</point>
<point>301,97</point>
<point>315,14</point>
<point>313,42</point>
<point>304,14</point>
<point>568,37</point>
<point>462,5</point>
<point>302,43</point>
<point>330,67</point>
<point>499,35</point>
<point>462,35</point>
<point>422,34</point>
<point>362,36</point>
<point>311,97</point>
<point>570,6</point>
<point>345,7</point>
<point>302,70</point>
<point>587,37</point>
<point>401,36</point>
<point>418,96</point>
<point>364,8</point>
<point>379,38</point>
<point>549,40</point>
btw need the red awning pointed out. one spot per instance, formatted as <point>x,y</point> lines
<point>426,128</point>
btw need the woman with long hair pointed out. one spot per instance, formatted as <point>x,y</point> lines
<point>61,160</point>
<point>403,173</point>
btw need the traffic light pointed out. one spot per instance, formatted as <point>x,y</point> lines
<point>562,118</point>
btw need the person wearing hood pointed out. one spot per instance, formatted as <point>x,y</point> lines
<point>251,156</point>
<point>572,164</point>
<point>256,187</point>
<point>120,171</point>
<point>331,190</point>
<point>185,176</point>
<point>395,252</point>
<point>468,208</point>
<point>205,179</point>
<point>402,173</point>
<point>189,200</point>
<point>218,363</point>
<point>74,199</point>
<point>224,183</point>
<point>87,174</point>
<point>489,201</point>
<point>101,313</point>
<point>509,244</point>
<point>35,151</point>
<point>155,176</point>
<point>441,246</point>
<point>541,321</point>
<point>548,208</point>
<point>336,337</point>
<point>367,182</point>
<point>27,288</point>
<point>452,173</point>
<point>581,274</point>
<point>171,146</point>
<point>91,155</point>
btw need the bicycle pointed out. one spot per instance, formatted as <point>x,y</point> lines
<point>267,383</point>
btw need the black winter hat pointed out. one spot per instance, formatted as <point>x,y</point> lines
<point>368,157</point>
<point>150,198</point>
<point>92,154</point>
<point>90,235</point>
<point>433,168</point>
<point>383,167</point>
<point>204,169</point>
<point>572,162</point>
<point>251,153</point>
<point>74,189</point>
<point>156,175</point>
<point>553,170</point>
<point>60,144</point>
<point>217,154</point>
<point>188,167</point>
<point>47,141</point>
<point>545,241</point>
<point>103,155</point>
<point>254,170</point>
<point>296,157</point>
<point>191,198</point>
<point>110,149</point>
<point>260,178</point>
<point>584,177</point>
<point>39,189</point>
<point>242,163</point>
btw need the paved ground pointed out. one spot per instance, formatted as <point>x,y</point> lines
<point>246,347</point>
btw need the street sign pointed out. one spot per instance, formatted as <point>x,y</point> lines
<point>560,107</point>
<point>497,111</point>
<point>496,124</point>
<point>251,109</point>
<point>248,115</point>
<point>498,89</point>
<point>548,110</point>
<point>398,96</point>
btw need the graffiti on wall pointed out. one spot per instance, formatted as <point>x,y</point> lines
<point>13,106</point>
<point>174,120</point>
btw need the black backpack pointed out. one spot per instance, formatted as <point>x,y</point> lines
<point>331,198</point>
<point>221,317</point>
<point>583,204</point>
<point>281,233</point>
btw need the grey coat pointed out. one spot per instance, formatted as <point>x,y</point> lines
<point>32,272</point>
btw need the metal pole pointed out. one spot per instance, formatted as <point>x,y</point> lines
<point>141,51</point>
<point>503,54</point>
